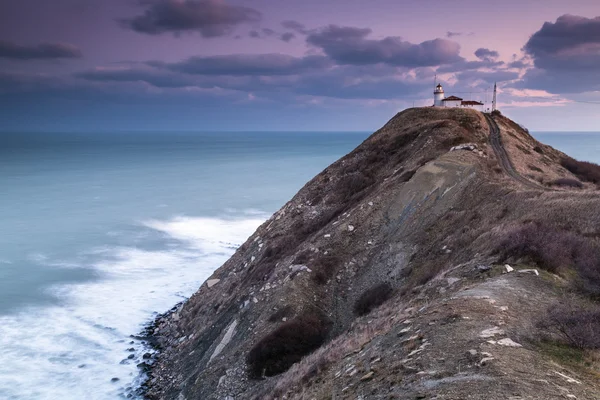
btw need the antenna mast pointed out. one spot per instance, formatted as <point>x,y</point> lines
<point>494,101</point>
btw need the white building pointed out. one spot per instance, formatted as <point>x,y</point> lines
<point>439,100</point>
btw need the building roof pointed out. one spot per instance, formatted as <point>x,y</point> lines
<point>471,103</point>
<point>452,98</point>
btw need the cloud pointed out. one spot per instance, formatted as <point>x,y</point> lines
<point>287,36</point>
<point>451,34</point>
<point>295,26</point>
<point>211,18</point>
<point>465,65</point>
<point>154,77</point>
<point>41,51</point>
<point>350,46</point>
<point>566,55</point>
<point>248,64</point>
<point>486,54</point>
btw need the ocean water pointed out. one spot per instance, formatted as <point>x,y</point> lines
<point>100,232</point>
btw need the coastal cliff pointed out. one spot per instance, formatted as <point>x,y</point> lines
<point>424,264</point>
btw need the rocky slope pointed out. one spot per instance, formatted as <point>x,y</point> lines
<point>405,224</point>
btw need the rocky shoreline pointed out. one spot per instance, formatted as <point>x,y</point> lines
<point>153,336</point>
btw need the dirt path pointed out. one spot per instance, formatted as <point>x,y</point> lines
<point>505,163</point>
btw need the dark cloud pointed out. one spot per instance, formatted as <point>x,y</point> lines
<point>566,55</point>
<point>254,34</point>
<point>287,36</point>
<point>486,54</point>
<point>154,77</point>
<point>451,34</point>
<point>568,33</point>
<point>464,65</point>
<point>211,18</point>
<point>350,46</point>
<point>519,64</point>
<point>248,64</point>
<point>295,26</point>
<point>41,51</point>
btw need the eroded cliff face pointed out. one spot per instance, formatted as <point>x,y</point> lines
<point>402,221</point>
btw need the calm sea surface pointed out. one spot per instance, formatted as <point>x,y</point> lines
<point>99,232</point>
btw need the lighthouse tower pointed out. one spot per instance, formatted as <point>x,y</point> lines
<point>438,96</point>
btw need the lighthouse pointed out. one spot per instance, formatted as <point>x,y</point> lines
<point>438,96</point>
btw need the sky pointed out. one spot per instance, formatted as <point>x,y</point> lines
<point>295,65</point>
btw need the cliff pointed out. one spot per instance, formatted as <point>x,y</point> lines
<point>385,277</point>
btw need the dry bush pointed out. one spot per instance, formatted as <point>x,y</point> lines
<point>371,298</point>
<point>286,345</point>
<point>556,250</point>
<point>538,149</point>
<point>322,359</point>
<point>586,171</point>
<point>578,325</point>
<point>567,182</point>
<point>351,187</point>
<point>324,268</point>
<point>534,168</point>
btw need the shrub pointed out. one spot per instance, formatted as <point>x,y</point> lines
<point>554,250</point>
<point>538,149</point>
<point>586,171</point>
<point>286,345</point>
<point>351,186</point>
<point>534,168</point>
<point>578,326</point>
<point>567,182</point>
<point>324,268</point>
<point>371,298</point>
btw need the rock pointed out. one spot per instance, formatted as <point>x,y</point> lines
<point>529,271</point>
<point>491,332</point>
<point>327,235</point>
<point>508,268</point>
<point>466,146</point>
<point>147,356</point>
<point>484,361</point>
<point>483,268</point>
<point>350,228</point>
<point>212,282</point>
<point>115,380</point>
<point>472,353</point>
<point>131,356</point>
<point>368,376</point>
<point>568,378</point>
<point>370,203</point>
<point>508,343</point>
<point>299,268</point>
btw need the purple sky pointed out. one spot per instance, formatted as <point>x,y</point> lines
<point>291,65</point>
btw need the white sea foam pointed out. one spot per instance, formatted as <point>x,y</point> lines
<point>74,350</point>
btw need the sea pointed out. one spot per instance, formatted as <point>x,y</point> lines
<point>101,232</point>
